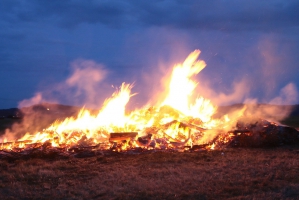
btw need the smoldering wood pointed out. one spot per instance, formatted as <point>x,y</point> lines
<point>236,132</point>
<point>79,148</point>
<point>144,140</point>
<point>184,125</point>
<point>197,147</point>
<point>120,136</point>
<point>264,134</point>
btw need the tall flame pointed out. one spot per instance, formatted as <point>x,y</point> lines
<point>181,88</point>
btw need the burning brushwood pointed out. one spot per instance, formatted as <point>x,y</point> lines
<point>144,140</point>
<point>122,140</point>
<point>114,137</point>
<point>177,123</point>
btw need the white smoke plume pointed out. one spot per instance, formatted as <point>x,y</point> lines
<point>288,95</point>
<point>82,87</point>
<point>36,99</point>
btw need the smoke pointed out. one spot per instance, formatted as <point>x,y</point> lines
<point>38,117</point>
<point>239,92</point>
<point>273,56</point>
<point>83,85</point>
<point>83,88</point>
<point>280,106</point>
<point>275,110</point>
<point>288,95</point>
<point>36,99</point>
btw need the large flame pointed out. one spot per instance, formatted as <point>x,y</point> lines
<point>166,122</point>
<point>182,86</point>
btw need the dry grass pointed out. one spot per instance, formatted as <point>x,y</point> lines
<point>227,174</point>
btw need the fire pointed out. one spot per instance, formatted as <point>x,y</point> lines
<point>179,121</point>
<point>181,88</point>
<point>85,125</point>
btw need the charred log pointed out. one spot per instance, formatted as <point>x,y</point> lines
<point>199,147</point>
<point>122,136</point>
<point>145,140</point>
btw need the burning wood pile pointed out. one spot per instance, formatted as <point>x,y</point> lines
<point>174,124</point>
<point>262,133</point>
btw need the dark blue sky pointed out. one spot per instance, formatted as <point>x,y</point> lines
<point>72,51</point>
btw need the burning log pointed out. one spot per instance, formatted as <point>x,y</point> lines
<point>145,140</point>
<point>184,125</point>
<point>122,140</point>
<point>17,144</point>
<point>121,136</point>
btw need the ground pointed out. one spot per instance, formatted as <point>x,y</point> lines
<point>233,173</point>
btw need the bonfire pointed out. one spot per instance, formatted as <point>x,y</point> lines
<point>179,122</point>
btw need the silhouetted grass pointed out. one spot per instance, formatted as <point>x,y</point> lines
<point>291,121</point>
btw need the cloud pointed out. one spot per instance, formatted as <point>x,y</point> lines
<point>218,15</point>
<point>67,13</point>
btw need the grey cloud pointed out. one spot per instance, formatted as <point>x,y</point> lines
<point>234,15</point>
<point>67,13</point>
<point>222,15</point>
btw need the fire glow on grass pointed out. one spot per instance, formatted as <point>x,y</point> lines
<point>177,122</point>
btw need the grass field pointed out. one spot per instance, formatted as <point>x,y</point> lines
<point>226,174</point>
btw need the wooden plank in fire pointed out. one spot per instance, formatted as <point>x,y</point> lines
<point>120,136</point>
<point>14,143</point>
<point>185,125</point>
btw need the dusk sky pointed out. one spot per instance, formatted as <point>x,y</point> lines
<point>72,51</point>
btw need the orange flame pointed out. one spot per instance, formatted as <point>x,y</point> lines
<point>89,129</point>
